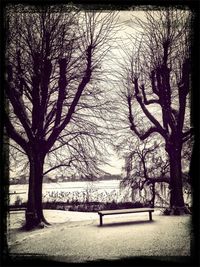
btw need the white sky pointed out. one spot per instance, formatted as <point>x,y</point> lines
<point>116,165</point>
<point>124,18</point>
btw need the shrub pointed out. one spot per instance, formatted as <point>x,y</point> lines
<point>111,206</point>
<point>93,206</point>
<point>167,211</point>
<point>18,201</point>
<point>138,205</point>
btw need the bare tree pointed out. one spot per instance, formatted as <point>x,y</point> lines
<point>157,76</point>
<point>145,166</point>
<point>76,153</point>
<point>53,56</point>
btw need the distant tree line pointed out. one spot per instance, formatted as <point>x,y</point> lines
<point>22,179</point>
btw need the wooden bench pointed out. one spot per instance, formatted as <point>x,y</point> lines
<point>10,208</point>
<point>124,211</point>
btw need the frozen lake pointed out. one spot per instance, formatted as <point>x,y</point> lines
<point>68,190</point>
<point>102,191</point>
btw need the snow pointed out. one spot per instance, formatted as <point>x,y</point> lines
<point>16,218</point>
<point>77,236</point>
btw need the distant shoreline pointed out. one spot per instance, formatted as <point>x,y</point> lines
<point>66,181</point>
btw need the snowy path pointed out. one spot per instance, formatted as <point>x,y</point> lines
<point>77,237</point>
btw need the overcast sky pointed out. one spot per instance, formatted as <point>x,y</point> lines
<point>125,18</point>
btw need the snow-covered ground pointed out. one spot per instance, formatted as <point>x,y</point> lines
<point>16,218</point>
<point>77,237</point>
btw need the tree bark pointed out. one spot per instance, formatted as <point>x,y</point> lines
<point>34,212</point>
<point>153,195</point>
<point>177,205</point>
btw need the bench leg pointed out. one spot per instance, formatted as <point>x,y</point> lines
<point>101,220</point>
<point>150,215</point>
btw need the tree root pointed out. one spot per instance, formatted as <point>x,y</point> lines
<point>45,221</point>
<point>39,225</point>
<point>34,222</point>
<point>177,211</point>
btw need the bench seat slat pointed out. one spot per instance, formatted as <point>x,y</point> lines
<point>110,212</point>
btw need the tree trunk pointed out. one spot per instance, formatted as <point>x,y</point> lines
<point>132,194</point>
<point>34,212</point>
<point>153,195</point>
<point>177,205</point>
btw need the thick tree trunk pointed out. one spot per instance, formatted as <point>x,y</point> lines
<point>34,212</point>
<point>177,205</point>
